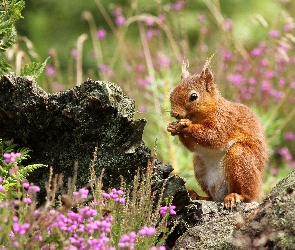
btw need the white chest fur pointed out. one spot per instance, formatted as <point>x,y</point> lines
<point>210,164</point>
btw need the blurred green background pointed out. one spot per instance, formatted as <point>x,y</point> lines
<point>57,24</point>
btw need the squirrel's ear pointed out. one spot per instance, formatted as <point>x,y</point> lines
<point>207,78</point>
<point>184,69</point>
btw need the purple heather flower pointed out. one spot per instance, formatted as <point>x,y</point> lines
<point>34,188</point>
<point>162,18</point>
<point>71,248</point>
<point>142,108</point>
<point>50,71</point>
<point>282,82</point>
<point>106,195</point>
<point>74,53</point>
<point>158,248</point>
<point>13,170</point>
<point>278,95</point>
<point>163,210</point>
<point>52,212</point>
<point>52,53</point>
<point>178,6</point>
<point>115,195</point>
<point>127,241</point>
<point>256,52</point>
<point>264,62</point>
<point>103,67</point>
<point>274,171</point>
<point>251,81</point>
<point>227,56</point>
<point>81,194</point>
<point>26,185</point>
<point>117,12</point>
<point>201,18</point>
<point>163,60</point>
<point>149,21</point>
<point>120,20</point>
<point>27,200</point>
<point>172,211</point>
<point>15,243</point>
<point>37,213</point>
<point>147,231</point>
<point>274,33</point>
<point>4,204</point>
<point>228,24</point>
<point>265,86</point>
<point>288,27</point>
<point>269,74</point>
<point>152,32</point>
<point>140,68</point>
<point>11,157</point>
<point>87,212</point>
<point>20,228</point>
<point>101,34</point>
<point>204,30</point>
<point>236,79</point>
<point>284,46</point>
<point>204,48</point>
<point>285,153</point>
<point>2,189</point>
<point>289,136</point>
<point>143,82</point>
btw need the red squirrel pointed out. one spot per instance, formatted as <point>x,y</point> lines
<point>226,138</point>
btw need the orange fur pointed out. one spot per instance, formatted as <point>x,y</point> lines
<point>227,139</point>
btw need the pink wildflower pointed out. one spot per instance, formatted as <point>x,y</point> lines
<point>120,20</point>
<point>274,33</point>
<point>178,6</point>
<point>100,34</point>
<point>289,136</point>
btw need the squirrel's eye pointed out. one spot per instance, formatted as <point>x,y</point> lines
<point>193,97</point>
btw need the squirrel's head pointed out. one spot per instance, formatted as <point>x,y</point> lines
<point>195,96</point>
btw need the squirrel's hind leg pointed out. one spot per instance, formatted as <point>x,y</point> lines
<point>243,174</point>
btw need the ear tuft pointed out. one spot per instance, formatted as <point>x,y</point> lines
<point>184,69</point>
<point>207,78</point>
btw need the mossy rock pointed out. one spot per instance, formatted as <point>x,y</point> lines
<point>66,127</point>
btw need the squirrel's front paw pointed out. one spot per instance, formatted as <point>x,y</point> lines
<point>183,123</point>
<point>178,127</point>
<point>172,128</point>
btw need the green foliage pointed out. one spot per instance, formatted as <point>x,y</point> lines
<point>33,69</point>
<point>10,12</point>
<point>4,66</point>
<point>13,172</point>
